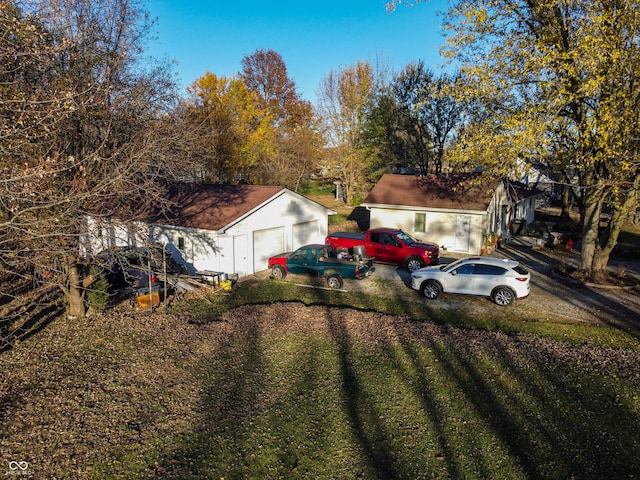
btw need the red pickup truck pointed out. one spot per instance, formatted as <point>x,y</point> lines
<point>388,245</point>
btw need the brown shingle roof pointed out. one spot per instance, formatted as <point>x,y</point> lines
<point>456,191</point>
<point>212,206</point>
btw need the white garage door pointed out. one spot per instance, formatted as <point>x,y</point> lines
<point>305,233</point>
<point>266,243</point>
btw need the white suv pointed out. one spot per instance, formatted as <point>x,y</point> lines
<point>500,279</point>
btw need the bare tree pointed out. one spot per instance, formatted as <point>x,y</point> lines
<point>82,132</point>
<point>429,113</point>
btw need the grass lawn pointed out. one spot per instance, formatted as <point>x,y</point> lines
<point>275,381</point>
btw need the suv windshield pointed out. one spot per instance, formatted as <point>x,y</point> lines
<point>451,266</point>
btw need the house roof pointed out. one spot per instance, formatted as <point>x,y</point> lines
<point>455,191</point>
<point>214,206</point>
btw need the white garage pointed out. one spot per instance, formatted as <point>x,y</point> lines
<point>236,228</point>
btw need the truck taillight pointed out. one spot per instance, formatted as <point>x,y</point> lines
<point>357,271</point>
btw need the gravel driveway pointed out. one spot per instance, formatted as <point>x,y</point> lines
<point>553,297</point>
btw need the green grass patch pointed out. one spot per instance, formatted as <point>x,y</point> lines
<point>317,187</point>
<point>291,404</point>
<point>270,291</point>
<point>629,242</point>
<point>255,385</point>
<point>338,219</point>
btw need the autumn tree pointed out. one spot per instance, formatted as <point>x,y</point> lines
<point>225,115</point>
<point>286,153</point>
<point>345,98</point>
<point>566,76</point>
<point>81,124</point>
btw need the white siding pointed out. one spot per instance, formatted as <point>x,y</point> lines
<point>201,249</point>
<point>267,243</point>
<point>440,226</point>
<point>283,211</point>
<point>305,233</point>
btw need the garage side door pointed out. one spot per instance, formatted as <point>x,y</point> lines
<point>306,233</point>
<point>462,233</point>
<point>266,243</point>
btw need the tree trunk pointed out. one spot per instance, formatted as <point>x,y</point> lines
<point>610,239</point>
<point>590,228</point>
<point>601,258</point>
<point>75,291</point>
<point>566,200</point>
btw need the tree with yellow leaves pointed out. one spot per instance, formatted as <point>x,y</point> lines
<point>344,99</point>
<point>290,148</point>
<point>559,79</point>
<point>230,123</point>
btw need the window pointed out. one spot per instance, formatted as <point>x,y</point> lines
<point>180,243</point>
<point>489,270</point>
<point>299,255</point>
<point>466,269</point>
<point>420,223</point>
<point>390,240</point>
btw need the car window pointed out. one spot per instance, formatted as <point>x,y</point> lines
<point>299,255</point>
<point>489,270</point>
<point>390,240</point>
<point>520,270</point>
<point>466,269</point>
<point>374,237</point>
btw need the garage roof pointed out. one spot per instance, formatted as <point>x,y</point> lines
<point>214,206</point>
<point>456,191</point>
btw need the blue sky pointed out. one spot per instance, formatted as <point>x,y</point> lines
<point>312,36</point>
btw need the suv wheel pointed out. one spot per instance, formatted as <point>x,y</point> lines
<point>503,296</point>
<point>431,289</point>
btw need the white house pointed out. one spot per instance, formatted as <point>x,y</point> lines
<point>456,211</point>
<point>226,228</point>
<point>539,176</point>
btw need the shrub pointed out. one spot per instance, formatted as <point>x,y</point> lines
<point>98,293</point>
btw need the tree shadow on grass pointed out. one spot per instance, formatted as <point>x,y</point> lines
<point>361,409</point>
<point>415,400</point>
<point>27,319</point>
<point>541,411</point>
